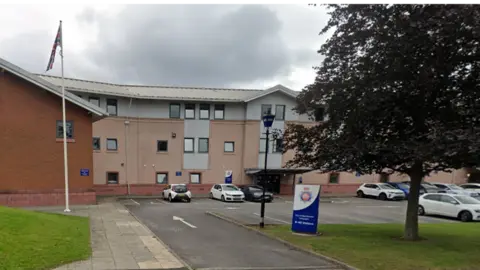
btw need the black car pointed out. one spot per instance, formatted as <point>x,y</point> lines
<point>254,194</point>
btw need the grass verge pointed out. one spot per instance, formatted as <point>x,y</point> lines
<point>34,240</point>
<point>447,246</point>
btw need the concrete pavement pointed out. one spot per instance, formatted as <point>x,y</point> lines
<point>207,243</point>
<point>119,241</point>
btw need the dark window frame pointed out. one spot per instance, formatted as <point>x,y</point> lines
<point>222,110</point>
<point>185,110</point>
<point>109,100</point>
<point>158,146</point>
<point>208,145</point>
<point>276,149</point>
<point>170,110</point>
<point>283,113</point>
<point>200,111</point>
<point>116,144</point>
<point>99,143</point>
<point>59,135</point>
<point>233,146</point>
<point>261,110</point>
<point>316,112</point>
<point>337,177</point>
<point>199,178</point>
<point>94,98</point>
<point>118,177</point>
<point>156,178</point>
<point>193,144</point>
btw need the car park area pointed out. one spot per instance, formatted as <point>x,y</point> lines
<point>204,241</point>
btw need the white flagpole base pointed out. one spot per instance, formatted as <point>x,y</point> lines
<point>67,210</point>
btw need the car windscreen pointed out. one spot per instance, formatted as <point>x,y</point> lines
<point>454,187</point>
<point>180,188</point>
<point>255,189</point>
<point>229,188</point>
<point>386,186</point>
<point>467,200</point>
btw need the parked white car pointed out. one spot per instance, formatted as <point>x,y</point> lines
<point>226,192</point>
<point>177,192</point>
<point>462,207</point>
<point>471,187</point>
<point>454,189</point>
<point>381,191</point>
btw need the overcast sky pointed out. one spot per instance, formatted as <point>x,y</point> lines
<point>252,46</point>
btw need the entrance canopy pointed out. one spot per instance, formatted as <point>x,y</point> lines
<point>258,171</point>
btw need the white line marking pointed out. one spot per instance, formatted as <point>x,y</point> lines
<point>279,220</point>
<point>137,203</point>
<point>162,201</point>
<point>186,223</point>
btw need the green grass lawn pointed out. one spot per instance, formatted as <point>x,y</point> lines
<point>33,240</point>
<point>378,246</point>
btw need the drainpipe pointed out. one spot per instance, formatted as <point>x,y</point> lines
<point>242,173</point>
<point>127,123</point>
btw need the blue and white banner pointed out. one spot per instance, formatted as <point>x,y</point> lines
<point>228,177</point>
<point>306,202</point>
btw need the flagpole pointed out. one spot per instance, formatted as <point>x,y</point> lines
<point>65,153</point>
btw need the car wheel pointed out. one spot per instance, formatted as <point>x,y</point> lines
<point>465,216</point>
<point>421,210</point>
<point>382,196</point>
<point>188,200</point>
<point>210,195</point>
<point>170,198</point>
<point>360,194</point>
<point>223,198</point>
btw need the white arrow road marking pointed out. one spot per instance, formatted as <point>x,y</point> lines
<point>279,220</point>
<point>137,203</point>
<point>186,223</point>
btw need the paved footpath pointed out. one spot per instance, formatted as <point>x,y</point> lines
<point>119,241</point>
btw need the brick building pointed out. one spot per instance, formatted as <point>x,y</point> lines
<point>31,136</point>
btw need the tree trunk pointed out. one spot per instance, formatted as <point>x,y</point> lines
<point>411,222</point>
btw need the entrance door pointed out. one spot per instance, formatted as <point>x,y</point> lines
<point>272,184</point>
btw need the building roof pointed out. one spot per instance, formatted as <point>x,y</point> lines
<point>52,88</point>
<point>166,92</point>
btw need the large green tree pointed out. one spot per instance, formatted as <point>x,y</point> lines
<point>400,87</point>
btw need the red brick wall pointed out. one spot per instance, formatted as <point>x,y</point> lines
<point>31,158</point>
<point>46,199</point>
<point>147,189</point>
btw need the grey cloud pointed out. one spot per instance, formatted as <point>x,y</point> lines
<point>201,45</point>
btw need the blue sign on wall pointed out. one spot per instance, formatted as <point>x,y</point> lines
<point>228,177</point>
<point>357,174</point>
<point>84,172</point>
<point>178,173</point>
<point>305,209</point>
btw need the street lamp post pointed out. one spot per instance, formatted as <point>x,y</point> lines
<point>267,123</point>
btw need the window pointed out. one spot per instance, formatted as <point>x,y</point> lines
<point>189,111</point>
<point>195,178</point>
<point>448,199</point>
<point>280,112</point>
<point>319,114</point>
<point>112,106</point>
<point>203,145</point>
<point>96,143</point>
<point>229,147</point>
<point>278,146</point>
<point>174,110</point>
<point>333,178</point>
<point>60,129</point>
<point>94,101</point>
<point>112,177</point>
<point>188,145</point>
<point>162,146</point>
<point>384,177</point>
<point>266,109</point>
<point>204,111</point>
<point>432,197</point>
<point>263,144</point>
<point>219,112</point>
<point>162,178</point>
<point>112,144</point>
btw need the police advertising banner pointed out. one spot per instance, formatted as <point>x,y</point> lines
<point>306,202</point>
<point>228,177</point>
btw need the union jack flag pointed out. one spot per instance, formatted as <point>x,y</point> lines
<point>58,42</point>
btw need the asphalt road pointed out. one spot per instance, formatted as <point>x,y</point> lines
<point>206,242</point>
